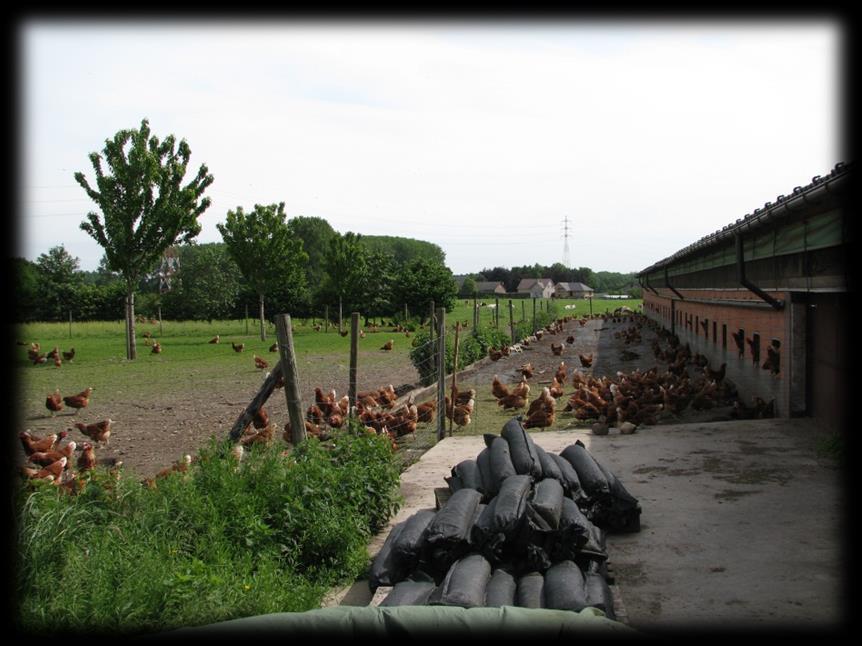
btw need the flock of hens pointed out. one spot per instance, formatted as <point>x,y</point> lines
<point>624,401</point>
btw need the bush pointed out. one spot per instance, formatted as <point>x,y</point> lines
<point>215,543</point>
<point>472,346</point>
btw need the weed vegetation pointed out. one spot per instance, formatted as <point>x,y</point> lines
<point>225,539</point>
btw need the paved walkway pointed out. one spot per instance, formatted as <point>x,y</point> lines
<point>741,522</point>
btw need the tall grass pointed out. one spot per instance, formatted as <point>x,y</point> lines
<point>221,541</point>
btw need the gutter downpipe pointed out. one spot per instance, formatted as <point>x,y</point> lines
<point>740,274</point>
<point>648,286</point>
<point>671,287</point>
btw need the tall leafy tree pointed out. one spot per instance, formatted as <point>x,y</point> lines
<point>27,289</point>
<point>346,272</point>
<point>266,249</point>
<point>421,281</point>
<point>207,284</point>
<point>59,276</point>
<point>316,234</point>
<point>145,206</point>
<point>377,293</point>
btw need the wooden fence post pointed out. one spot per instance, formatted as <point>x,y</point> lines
<point>497,312</point>
<point>161,332</point>
<point>431,323</point>
<point>259,400</point>
<point>284,331</point>
<point>512,320</point>
<point>523,309</point>
<point>441,373</point>
<point>246,318</point>
<point>475,315</point>
<point>454,375</point>
<point>354,340</point>
<point>70,324</point>
<point>326,318</point>
<point>340,317</point>
<point>534,314</point>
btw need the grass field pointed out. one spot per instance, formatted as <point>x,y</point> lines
<point>189,363</point>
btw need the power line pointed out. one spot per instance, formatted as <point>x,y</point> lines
<point>566,242</point>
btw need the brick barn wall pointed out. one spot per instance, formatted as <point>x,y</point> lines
<point>749,377</point>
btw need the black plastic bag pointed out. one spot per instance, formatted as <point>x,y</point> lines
<point>448,533</point>
<point>545,505</point>
<point>529,593</point>
<point>575,535</point>
<point>501,519</point>
<point>500,461</point>
<point>570,481</point>
<point>592,478</point>
<point>410,544</point>
<point>409,593</point>
<point>490,486</point>
<point>501,589</point>
<point>464,584</point>
<point>550,469</point>
<point>525,459</point>
<point>564,587</point>
<point>465,475</point>
<point>598,594</point>
<point>621,511</point>
<point>388,568</point>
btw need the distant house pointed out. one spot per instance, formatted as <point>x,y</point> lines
<point>490,287</point>
<point>573,290</point>
<point>536,287</point>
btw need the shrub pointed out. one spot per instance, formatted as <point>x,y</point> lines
<point>472,346</point>
<point>221,541</point>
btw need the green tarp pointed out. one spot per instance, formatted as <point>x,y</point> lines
<point>415,621</point>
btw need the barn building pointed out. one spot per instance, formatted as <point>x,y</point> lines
<point>768,296</point>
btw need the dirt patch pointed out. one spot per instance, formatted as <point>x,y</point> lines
<point>150,433</point>
<point>734,494</point>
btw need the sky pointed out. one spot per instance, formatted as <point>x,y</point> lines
<point>481,137</point>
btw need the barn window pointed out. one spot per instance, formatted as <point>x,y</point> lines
<point>714,332</point>
<point>724,336</point>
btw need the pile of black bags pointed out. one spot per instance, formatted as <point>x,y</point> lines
<point>522,527</point>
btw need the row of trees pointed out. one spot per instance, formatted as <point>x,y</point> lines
<point>145,208</point>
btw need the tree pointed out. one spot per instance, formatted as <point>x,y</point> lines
<point>405,250</point>
<point>27,290</point>
<point>206,285</point>
<point>59,276</point>
<point>266,249</point>
<point>145,206</point>
<point>468,288</point>
<point>347,271</point>
<point>377,292</point>
<point>316,234</point>
<point>422,281</point>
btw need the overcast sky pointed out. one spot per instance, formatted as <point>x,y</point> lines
<point>479,136</point>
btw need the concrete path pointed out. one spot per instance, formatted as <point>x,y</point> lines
<point>741,523</point>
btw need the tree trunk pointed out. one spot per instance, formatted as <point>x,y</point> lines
<point>262,320</point>
<point>131,343</point>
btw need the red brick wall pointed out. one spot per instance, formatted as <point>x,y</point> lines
<point>750,379</point>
